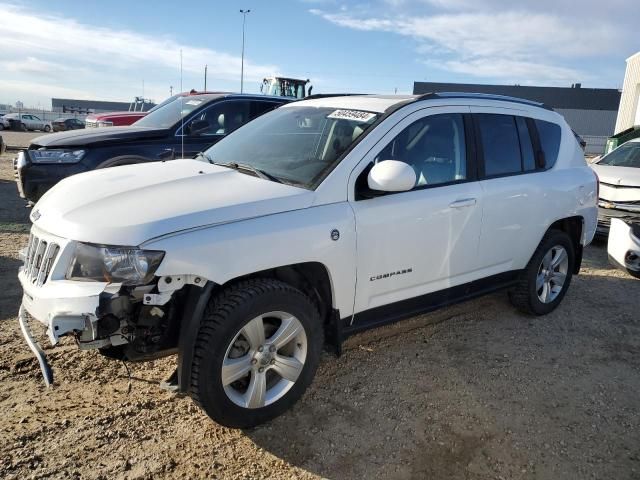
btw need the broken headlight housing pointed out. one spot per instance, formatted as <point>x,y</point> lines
<point>56,156</point>
<point>126,265</point>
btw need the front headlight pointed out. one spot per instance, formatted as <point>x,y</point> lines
<point>105,123</point>
<point>56,156</point>
<point>126,265</point>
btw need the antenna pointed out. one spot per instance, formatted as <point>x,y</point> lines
<point>181,109</point>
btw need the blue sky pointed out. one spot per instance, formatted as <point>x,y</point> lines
<point>104,50</point>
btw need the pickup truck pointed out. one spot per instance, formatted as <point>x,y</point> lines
<point>317,220</point>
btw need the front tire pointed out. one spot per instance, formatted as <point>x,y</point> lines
<point>546,278</point>
<point>257,351</point>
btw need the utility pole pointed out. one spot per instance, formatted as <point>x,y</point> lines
<point>171,90</point>
<point>205,78</point>
<point>244,19</point>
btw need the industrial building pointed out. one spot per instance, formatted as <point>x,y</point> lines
<point>71,105</point>
<point>628,121</point>
<point>591,112</point>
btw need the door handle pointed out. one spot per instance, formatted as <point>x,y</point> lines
<point>464,202</point>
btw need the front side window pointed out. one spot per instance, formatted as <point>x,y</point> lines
<point>219,119</point>
<point>434,146</point>
<point>299,145</point>
<point>627,155</point>
<point>500,144</point>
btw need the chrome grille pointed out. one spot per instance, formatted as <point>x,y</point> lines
<point>39,259</point>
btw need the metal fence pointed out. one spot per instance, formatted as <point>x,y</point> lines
<point>595,144</point>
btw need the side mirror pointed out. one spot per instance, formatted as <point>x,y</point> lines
<point>391,176</point>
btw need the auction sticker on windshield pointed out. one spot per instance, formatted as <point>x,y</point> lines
<point>355,115</point>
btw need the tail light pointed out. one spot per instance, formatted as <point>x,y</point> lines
<point>597,184</point>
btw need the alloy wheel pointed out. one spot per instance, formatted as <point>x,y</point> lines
<point>552,274</point>
<point>264,360</point>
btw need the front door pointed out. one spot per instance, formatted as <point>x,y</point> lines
<point>425,240</point>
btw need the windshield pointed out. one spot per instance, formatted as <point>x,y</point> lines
<point>167,114</point>
<point>297,145</point>
<point>627,155</point>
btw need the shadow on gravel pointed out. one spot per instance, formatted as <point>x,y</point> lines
<point>13,209</point>
<point>11,291</point>
<point>402,421</point>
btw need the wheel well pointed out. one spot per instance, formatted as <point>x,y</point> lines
<point>312,278</point>
<point>572,226</point>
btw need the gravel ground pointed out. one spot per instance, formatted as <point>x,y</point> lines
<point>19,139</point>
<point>476,391</point>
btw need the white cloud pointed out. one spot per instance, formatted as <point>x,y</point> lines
<point>512,45</point>
<point>38,47</point>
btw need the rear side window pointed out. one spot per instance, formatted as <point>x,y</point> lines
<point>549,134</point>
<point>500,144</point>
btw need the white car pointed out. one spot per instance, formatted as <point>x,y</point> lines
<point>619,205</point>
<point>619,174</point>
<point>322,218</point>
<point>28,121</point>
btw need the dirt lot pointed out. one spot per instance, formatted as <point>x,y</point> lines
<point>477,391</point>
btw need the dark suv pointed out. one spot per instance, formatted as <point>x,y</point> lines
<point>181,128</point>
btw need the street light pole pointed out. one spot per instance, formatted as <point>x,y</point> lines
<point>244,19</point>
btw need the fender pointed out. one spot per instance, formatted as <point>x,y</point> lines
<point>196,302</point>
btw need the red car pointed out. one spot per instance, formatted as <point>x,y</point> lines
<point>113,119</point>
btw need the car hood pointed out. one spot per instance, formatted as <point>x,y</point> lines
<point>80,138</point>
<point>618,184</point>
<point>131,204</point>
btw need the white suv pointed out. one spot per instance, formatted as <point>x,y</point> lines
<point>322,218</point>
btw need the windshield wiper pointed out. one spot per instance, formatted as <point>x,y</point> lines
<point>205,156</point>
<point>249,168</point>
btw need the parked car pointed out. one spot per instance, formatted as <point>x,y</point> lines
<point>619,173</point>
<point>24,121</point>
<point>113,119</point>
<point>623,246</point>
<point>320,219</point>
<point>189,124</point>
<point>64,124</point>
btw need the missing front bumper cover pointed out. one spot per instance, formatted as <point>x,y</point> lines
<point>47,373</point>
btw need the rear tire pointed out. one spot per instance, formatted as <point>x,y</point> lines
<point>271,334</point>
<point>546,278</point>
<point>47,128</point>
<point>23,127</point>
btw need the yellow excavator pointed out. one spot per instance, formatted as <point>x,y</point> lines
<point>286,87</point>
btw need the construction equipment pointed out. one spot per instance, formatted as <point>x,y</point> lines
<point>286,87</point>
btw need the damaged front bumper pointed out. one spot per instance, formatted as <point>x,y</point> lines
<point>623,246</point>
<point>607,211</point>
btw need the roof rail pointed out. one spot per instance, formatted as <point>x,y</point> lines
<point>481,96</point>
<point>326,95</point>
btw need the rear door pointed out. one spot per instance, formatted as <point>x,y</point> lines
<point>513,214</point>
